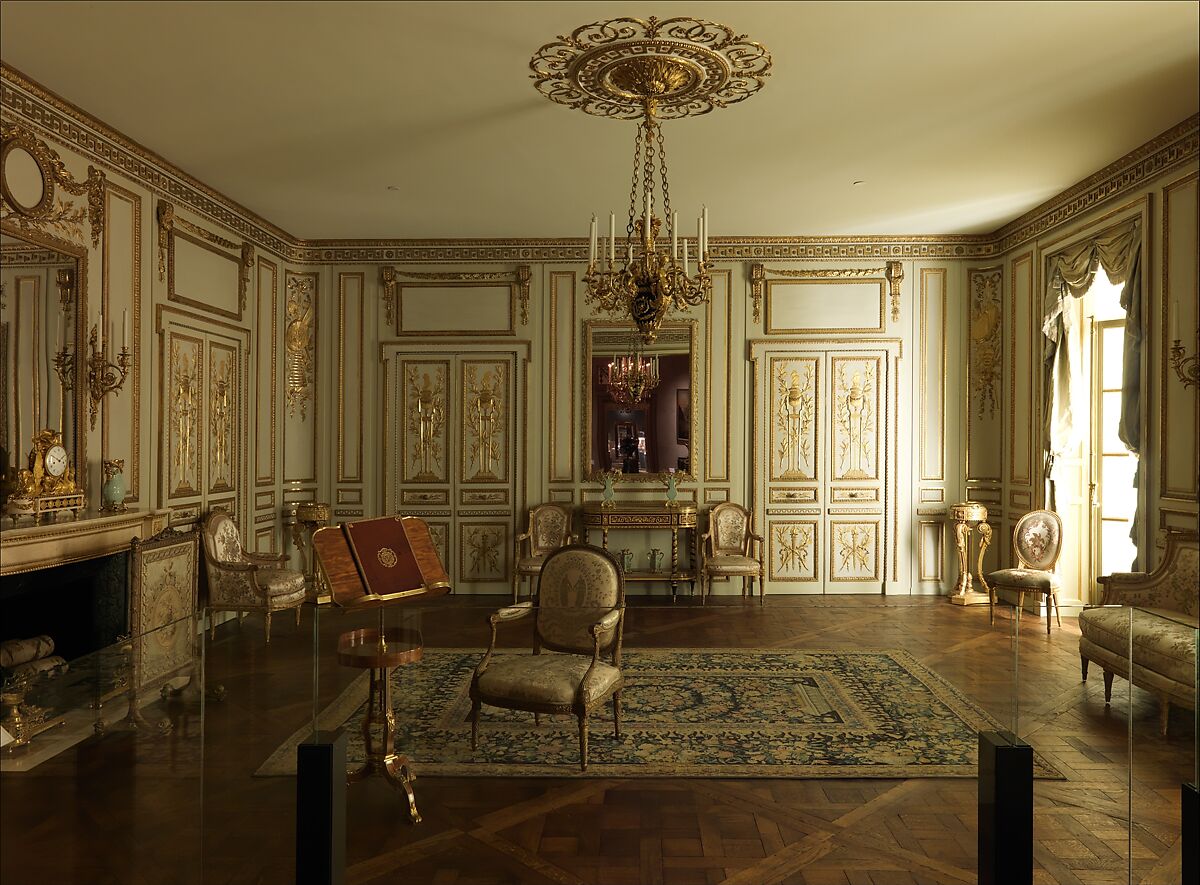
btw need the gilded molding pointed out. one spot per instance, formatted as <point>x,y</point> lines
<point>986,350</point>
<point>758,280</point>
<point>58,215</point>
<point>894,274</point>
<point>299,343</point>
<point>168,221</point>
<point>521,277</point>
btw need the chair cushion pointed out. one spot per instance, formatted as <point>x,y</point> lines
<point>1160,642</point>
<point>546,679</point>
<point>731,565</point>
<point>280,581</point>
<point>1024,579</point>
<point>530,565</point>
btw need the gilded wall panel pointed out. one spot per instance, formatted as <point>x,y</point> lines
<point>932,375</point>
<point>562,406</point>
<point>1023,363</point>
<point>301,369</point>
<point>185,391</point>
<point>1180,320</point>
<point>485,407</point>
<point>266,374</point>
<point>931,550</point>
<point>820,306</point>
<point>855,433</point>
<point>424,428</point>
<point>350,378</point>
<point>483,552</point>
<point>795,386</point>
<point>121,265</point>
<point>720,381</point>
<point>985,367</point>
<point>793,551</point>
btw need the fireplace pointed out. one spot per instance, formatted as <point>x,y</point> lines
<point>83,606</point>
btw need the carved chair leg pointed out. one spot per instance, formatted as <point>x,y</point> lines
<point>1020,603</point>
<point>297,616</point>
<point>537,718</point>
<point>617,714</point>
<point>516,583</point>
<point>583,741</point>
<point>1108,677</point>
<point>475,705</point>
<point>762,590</point>
<point>992,605</point>
<point>1083,665</point>
<point>1049,605</point>
<point>268,628</point>
<point>1057,610</point>
<point>1164,714</point>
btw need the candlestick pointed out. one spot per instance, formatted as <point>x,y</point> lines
<point>592,242</point>
<point>685,257</point>
<point>1175,319</point>
<point>674,236</point>
<point>100,340</point>
<point>124,330</point>
<point>704,217</point>
<point>612,237</point>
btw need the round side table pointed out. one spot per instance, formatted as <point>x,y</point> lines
<point>380,650</point>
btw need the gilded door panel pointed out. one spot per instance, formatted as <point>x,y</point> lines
<point>854,554</point>
<point>424,410</point>
<point>223,417</point>
<point>483,552</point>
<point>485,410</point>
<point>795,385</point>
<point>855,417</point>
<point>184,393</point>
<point>793,551</point>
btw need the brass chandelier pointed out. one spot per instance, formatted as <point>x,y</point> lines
<point>630,379</point>
<point>650,70</point>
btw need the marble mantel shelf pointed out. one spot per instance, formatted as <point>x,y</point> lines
<point>92,535</point>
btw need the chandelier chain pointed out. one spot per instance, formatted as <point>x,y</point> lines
<point>648,169</point>
<point>668,218</point>
<point>633,188</point>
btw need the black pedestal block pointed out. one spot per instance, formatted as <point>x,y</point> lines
<point>1005,809</point>
<point>321,810</point>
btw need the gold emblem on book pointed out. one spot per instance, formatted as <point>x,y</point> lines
<point>386,557</point>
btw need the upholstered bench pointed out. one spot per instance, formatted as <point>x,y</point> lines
<point>1164,627</point>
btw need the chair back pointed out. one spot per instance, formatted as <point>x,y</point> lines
<point>222,540</point>
<point>1180,589</point>
<point>1037,539</point>
<point>578,585</point>
<point>729,524</point>
<point>549,528</point>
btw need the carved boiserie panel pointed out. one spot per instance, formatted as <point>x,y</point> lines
<point>854,550</point>
<point>483,552</point>
<point>184,389</point>
<point>425,404</point>
<point>485,410</point>
<point>793,551</point>
<point>795,392</point>
<point>222,417</point>
<point>855,429</point>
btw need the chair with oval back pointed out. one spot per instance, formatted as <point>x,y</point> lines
<point>549,529</point>
<point>728,549</point>
<point>1037,541</point>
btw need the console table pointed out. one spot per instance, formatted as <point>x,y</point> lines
<point>648,515</point>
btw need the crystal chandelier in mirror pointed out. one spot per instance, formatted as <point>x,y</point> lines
<point>630,379</point>
<point>651,71</point>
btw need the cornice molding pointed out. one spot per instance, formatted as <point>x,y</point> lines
<point>77,130</point>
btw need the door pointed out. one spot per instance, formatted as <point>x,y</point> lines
<point>823,463</point>
<point>452,444</point>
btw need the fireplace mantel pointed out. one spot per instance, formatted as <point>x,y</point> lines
<point>92,535</point>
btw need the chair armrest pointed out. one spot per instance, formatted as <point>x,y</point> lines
<point>271,559</point>
<point>706,542</point>
<point>233,566</point>
<point>1131,588</point>
<point>511,613</point>
<point>606,623</point>
<point>525,536</point>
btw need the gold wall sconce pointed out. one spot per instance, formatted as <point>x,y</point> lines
<point>103,377</point>
<point>1186,367</point>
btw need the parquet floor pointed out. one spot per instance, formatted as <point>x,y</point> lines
<point>134,808</point>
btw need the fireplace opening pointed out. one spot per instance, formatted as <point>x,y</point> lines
<point>82,606</point>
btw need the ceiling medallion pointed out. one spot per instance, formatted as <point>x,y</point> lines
<point>651,71</point>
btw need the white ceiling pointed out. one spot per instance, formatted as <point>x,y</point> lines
<point>958,116</point>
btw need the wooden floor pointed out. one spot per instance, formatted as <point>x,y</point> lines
<point>183,807</point>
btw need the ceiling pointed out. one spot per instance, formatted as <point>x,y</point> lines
<point>957,117</point>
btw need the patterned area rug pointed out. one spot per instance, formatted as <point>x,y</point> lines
<point>691,713</point>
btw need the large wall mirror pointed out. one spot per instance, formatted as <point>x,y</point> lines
<point>40,300</point>
<point>655,435</point>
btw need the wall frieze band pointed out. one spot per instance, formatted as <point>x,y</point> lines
<point>77,130</point>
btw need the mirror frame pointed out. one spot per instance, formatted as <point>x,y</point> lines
<point>77,446</point>
<point>585,390</point>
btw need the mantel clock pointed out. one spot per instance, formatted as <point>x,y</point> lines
<point>48,485</point>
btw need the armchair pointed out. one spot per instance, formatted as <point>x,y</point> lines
<point>549,529</point>
<point>728,550</point>
<point>580,612</point>
<point>1166,606</point>
<point>241,581</point>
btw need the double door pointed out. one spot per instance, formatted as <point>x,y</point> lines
<point>824,467</point>
<point>452,439</point>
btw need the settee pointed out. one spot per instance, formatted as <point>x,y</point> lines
<point>1163,607</point>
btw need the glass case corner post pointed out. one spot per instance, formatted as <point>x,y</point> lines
<point>1189,796</point>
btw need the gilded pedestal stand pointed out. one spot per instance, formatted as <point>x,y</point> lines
<point>969,517</point>
<point>378,651</point>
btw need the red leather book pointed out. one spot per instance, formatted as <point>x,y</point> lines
<point>379,561</point>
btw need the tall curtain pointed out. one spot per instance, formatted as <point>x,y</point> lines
<point>1119,252</point>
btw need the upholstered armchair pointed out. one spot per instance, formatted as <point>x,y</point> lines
<point>241,581</point>
<point>731,549</point>
<point>580,612</point>
<point>549,529</point>
<point>1037,541</point>
<point>1165,615</point>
